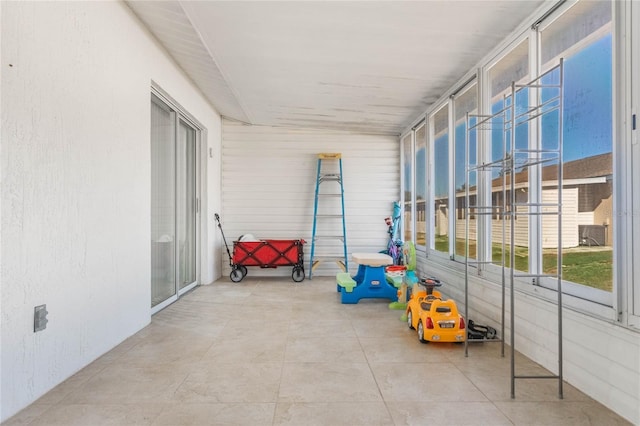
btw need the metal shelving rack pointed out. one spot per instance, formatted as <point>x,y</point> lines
<point>546,91</point>
<point>484,126</point>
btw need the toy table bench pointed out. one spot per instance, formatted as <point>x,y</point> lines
<point>369,282</point>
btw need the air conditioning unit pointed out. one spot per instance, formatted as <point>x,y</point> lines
<point>592,235</point>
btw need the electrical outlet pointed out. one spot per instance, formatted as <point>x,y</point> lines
<point>40,318</point>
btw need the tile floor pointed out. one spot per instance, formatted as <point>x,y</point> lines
<point>273,352</point>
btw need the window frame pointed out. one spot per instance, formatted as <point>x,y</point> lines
<point>422,124</point>
<point>409,138</point>
<point>462,90</point>
<point>485,152</point>
<point>626,227</point>
<point>431,169</point>
<point>162,98</point>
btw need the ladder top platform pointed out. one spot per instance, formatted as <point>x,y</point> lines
<point>330,156</point>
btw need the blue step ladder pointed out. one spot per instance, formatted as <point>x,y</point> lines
<point>325,242</point>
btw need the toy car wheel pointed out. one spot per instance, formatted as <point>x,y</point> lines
<point>236,275</point>
<point>410,319</point>
<point>421,332</point>
<point>243,269</point>
<point>297,274</point>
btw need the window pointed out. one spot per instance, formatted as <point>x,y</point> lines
<point>599,151</point>
<point>465,146</point>
<point>582,36</point>
<point>407,156</point>
<point>512,67</point>
<point>421,185</point>
<point>440,136</point>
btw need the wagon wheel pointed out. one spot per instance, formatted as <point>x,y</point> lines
<point>236,275</point>
<point>243,269</point>
<point>298,274</point>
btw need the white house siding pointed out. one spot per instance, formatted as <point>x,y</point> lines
<point>585,218</point>
<point>75,150</point>
<point>549,224</point>
<point>601,358</point>
<point>442,222</point>
<point>497,235</point>
<point>461,229</point>
<point>269,178</point>
<point>570,220</point>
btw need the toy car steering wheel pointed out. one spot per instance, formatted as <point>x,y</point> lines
<point>430,282</point>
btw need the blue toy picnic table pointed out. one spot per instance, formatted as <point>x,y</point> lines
<point>370,280</point>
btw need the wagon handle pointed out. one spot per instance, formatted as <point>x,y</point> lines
<point>223,238</point>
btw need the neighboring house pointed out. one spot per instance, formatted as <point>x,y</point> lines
<point>586,206</point>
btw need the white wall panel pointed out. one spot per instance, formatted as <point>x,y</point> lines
<point>269,178</point>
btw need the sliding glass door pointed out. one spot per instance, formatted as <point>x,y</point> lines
<point>174,203</point>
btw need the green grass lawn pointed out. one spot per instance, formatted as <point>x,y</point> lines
<point>442,243</point>
<point>590,268</point>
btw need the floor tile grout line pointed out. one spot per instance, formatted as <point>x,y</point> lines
<point>284,357</point>
<point>375,379</point>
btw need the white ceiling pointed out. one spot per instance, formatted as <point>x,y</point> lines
<point>365,66</point>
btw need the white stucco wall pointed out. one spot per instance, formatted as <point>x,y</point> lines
<point>75,164</point>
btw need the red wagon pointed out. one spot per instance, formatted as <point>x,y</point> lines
<point>267,254</point>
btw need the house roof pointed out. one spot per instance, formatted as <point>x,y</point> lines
<point>584,168</point>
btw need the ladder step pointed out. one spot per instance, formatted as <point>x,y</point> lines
<point>329,215</point>
<point>330,156</point>
<point>330,179</point>
<point>319,259</point>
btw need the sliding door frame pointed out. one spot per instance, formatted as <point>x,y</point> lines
<point>182,116</point>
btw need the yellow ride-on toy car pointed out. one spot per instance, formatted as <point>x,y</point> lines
<point>436,320</point>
